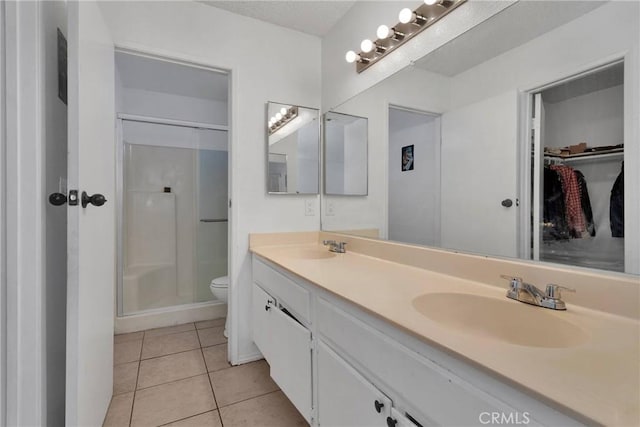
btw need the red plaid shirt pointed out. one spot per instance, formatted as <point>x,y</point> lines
<point>572,202</point>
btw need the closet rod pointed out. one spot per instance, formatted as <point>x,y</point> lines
<point>171,122</point>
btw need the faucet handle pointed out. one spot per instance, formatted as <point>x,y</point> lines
<point>553,291</point>
<point>515,280</point>
<point>328,242</point>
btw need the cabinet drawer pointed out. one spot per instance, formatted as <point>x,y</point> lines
<point>440,396</point>
<point>291,295</point>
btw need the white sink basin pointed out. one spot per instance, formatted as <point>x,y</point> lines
<point>503,320</point>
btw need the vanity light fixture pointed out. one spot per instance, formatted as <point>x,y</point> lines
<point>412,22</point>
<point>281,118</point>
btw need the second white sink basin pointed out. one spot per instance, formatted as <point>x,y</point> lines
<point>503,320</point>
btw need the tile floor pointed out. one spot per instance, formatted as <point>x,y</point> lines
<point>180,376</point>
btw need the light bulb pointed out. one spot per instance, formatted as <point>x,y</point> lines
<point>384,32</point>
<point>366,45</point>
<point>278,117</point>
<point>351,57</point>
<point>283,111</point>
<point>430,2</point>
<point>406,15</point>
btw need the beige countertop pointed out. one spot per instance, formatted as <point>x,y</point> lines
<point>598,379</point>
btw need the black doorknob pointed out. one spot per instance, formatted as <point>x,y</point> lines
<point>57,199</point>
<point>378,405</point>
<point>95,200</point>
<point>507,203</point>
<point>391,422</point>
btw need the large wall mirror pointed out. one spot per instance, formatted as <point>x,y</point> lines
<point>511,143</point>
<point>293,149</point>
<point>345,154</point>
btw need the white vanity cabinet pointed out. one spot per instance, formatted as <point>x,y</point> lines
<point>285,343</point>
<point>345,397</point>
<point>365,371</point>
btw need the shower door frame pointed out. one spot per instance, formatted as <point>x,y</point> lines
<point>120,118</point>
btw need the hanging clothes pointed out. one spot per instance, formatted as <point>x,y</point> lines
<point>616,205</point>
<point>553,210</point>
<point>573,205</point>
<point>585,203</point>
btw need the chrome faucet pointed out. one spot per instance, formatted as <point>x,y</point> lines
<point>334,246</point>
<point>529,294</point>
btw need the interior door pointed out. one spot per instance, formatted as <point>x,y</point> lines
<point>479,184</point>
<point>91,230</point>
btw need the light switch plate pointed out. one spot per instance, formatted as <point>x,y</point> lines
<point>310,207</point>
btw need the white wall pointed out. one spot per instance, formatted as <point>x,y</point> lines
<point>355,157</point>
<point>414,196</point>
<point>596,118</point>
<point>340,81</point>
<point>54,16</point>
<point>170,106</point>
<point>259,73</point>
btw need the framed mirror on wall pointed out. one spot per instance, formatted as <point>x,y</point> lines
<point>460,149</point>
<point>292,149</point>
<point>345,154</point>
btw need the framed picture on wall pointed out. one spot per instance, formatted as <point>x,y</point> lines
<point>407,158</point>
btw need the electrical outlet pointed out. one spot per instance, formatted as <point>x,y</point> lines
<point>331,211</point>
<point>310,207</point>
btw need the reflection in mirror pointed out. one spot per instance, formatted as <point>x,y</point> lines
<point>293,149</point>
<point>487,116</point>
<point>345,154</point>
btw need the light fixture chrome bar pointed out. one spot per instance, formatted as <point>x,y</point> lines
<point>421,18</point>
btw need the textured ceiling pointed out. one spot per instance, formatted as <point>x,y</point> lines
<point>308,16</point>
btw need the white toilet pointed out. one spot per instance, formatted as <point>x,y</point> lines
<point>219,288</point>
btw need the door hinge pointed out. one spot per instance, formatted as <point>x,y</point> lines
<point>229,203</point>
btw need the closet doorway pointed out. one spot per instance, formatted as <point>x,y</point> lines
<point>173,189</point>
<point>577,170</point>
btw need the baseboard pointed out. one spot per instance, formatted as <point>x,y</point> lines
<point>247,358</point>
<point>169,317</point>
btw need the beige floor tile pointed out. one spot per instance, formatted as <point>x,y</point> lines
<point>169,330</point>
<point>272,409</point>
<point>216,357</point>
<point>119,412</point>
<point>124,377</point>
<point>208,419</point>
<point>133,336</point>
<point>212,336</point>
<point>168,344</point>
<point>172,401</point>
<point>242,382</point>
<point>126,352</point>
<point>170,368</point>
<point>210,323</point>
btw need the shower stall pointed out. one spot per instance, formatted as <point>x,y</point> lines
<point>174,216</point>
<point>172,190</point>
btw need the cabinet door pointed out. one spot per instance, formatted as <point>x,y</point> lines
<point>263,307</point>
<point>290,362</point>
<point>346,398</point>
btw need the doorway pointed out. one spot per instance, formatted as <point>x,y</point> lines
<point>173,186</point>
<point>577,163</point>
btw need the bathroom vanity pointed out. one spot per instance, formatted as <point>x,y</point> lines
<point>362,339</point>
